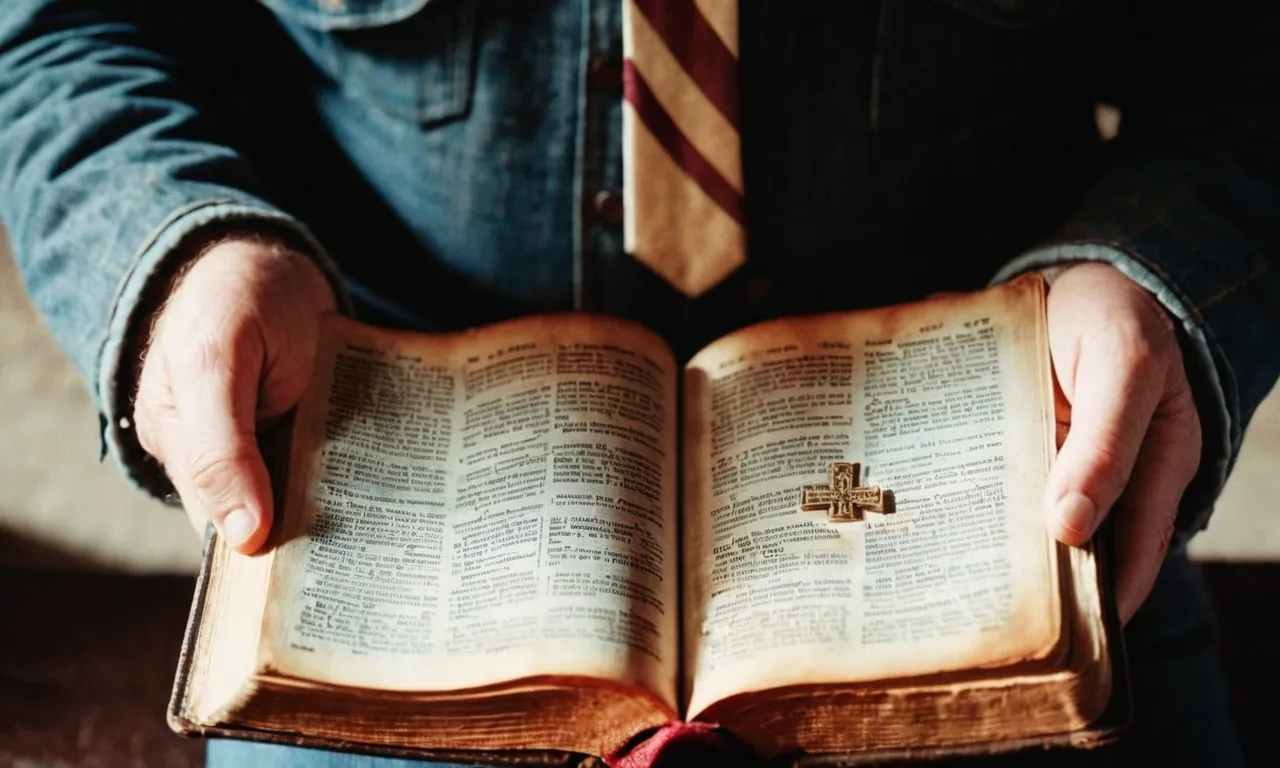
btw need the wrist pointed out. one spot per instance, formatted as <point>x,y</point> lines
<point>258,246</point>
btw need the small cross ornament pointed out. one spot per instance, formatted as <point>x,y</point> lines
<point>842,498</point>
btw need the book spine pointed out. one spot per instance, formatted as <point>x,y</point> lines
<point>177,714</point>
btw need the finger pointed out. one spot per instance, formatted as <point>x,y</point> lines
<point>153,412</point>
<point>155,421</point>
<point>218,468</point>
<point>157,428</point>
<point>162,430</point>
<point>1115,388</point>
<point>1149,506</point>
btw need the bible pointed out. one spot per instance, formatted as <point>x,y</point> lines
<point>541,538</point>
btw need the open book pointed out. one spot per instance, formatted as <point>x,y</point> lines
<point>543,537</point>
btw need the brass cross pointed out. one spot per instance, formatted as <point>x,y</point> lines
<point>842,499</point>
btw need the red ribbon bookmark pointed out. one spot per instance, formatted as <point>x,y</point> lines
<point>685,745</point>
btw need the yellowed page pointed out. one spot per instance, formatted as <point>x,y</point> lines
<point>948,405</point>
<point>475,508</point>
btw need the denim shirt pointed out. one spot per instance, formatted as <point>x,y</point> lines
<point>452,162</point>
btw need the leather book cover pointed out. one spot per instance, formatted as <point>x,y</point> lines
<point>1109,727</point>
<point>180,724</point>
<point>1113,723</point>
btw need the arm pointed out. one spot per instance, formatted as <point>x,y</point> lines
<point>1186,204</point>
<point>110,176</point>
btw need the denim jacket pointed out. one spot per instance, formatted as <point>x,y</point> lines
<point>451,162</point>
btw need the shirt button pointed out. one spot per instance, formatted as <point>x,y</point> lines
<point>606,75</point>
<point>607,206</point>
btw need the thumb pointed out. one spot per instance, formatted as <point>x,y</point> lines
<point>1112,404</point>
<point>219,468</point>
<point>1108,357</point>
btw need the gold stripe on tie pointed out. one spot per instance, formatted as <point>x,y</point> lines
<point>682,163</point>
<point>723,18</point>
<point>699,121</point>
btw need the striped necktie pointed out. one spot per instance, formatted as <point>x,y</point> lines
<point>682,165</point>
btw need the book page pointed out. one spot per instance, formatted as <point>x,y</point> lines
<point>945,404</point>
<point>474,508</point>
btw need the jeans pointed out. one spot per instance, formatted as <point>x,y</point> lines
<point>1180,700</point>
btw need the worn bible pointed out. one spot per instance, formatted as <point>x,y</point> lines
<point>541,538</point>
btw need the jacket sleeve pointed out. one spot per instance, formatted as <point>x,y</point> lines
<point>107,168</point>
<point>1187,202</point>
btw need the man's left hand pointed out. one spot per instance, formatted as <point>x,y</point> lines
<point>1134,443</point>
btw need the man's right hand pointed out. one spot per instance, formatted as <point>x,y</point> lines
<point>233,345</point>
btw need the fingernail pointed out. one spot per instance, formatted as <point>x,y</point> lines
<point>1076,513</point>
<point>238,526</point>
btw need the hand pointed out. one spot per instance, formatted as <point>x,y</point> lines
<point>233,345</point>
<point>1134,442</point>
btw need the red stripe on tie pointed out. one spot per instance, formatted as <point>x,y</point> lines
<point>677,145</point>
<point>700,51</point>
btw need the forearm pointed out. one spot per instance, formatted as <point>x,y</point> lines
<point>110,173</point>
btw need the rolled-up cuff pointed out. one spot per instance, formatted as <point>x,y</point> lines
<point>1217,452</point>
<point>154,260</point>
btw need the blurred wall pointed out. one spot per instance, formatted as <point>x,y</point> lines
<point>58,503</point>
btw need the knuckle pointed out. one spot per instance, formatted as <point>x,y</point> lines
<point>1138,349</point>
<point>221,349</point>
<point>1134,350</point>
<point>211,355</point>
<point>151,427</point>
<point>1109,470</point>
<point>1142,360</point>
<point>212,472</point>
